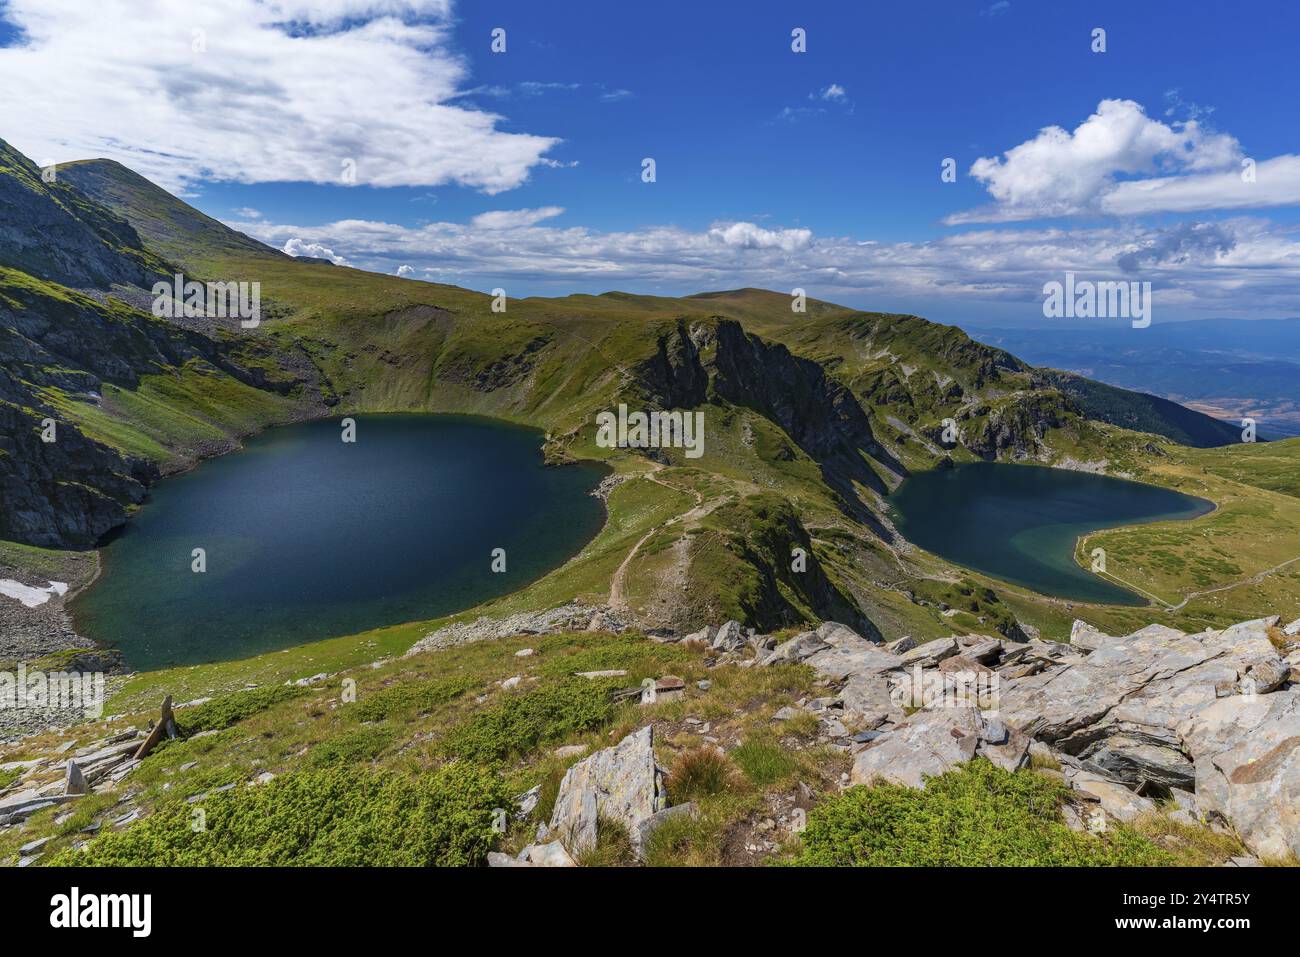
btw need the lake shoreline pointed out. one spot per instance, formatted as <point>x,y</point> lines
<point>1007,523</point>
<point>54,630</point>
<point>541,459</point>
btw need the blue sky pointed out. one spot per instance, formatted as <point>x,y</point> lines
<point>775,168</point>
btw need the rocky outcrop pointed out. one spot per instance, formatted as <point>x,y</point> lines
<point>1013,430</point>
<point>50,230</point>
<point>1246,750</point>
<point>574,616</point>
<point>1210,720</point>
<point>730,637</point>
<point>925,745</point>
<point>621,784</point>
<point>719,360</point>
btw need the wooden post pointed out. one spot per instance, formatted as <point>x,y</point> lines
<point>165,725</point>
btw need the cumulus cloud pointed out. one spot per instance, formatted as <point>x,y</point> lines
<point>405,270</point>
<point>750,236</point>
<point>297,246</point>
<point>1240,266</point>
<point>252,91</point>
<point>1063,173</point>
<point>832,92</point>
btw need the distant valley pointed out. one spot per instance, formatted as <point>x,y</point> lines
<point>1226,368</point>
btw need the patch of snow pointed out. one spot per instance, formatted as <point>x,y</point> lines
<point>29,596</point>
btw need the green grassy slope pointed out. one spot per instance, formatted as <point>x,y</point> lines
<point>344,340</point>
<point>175,230</point>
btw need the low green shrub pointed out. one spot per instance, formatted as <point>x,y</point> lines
<point>521,722</point>
<point>973,816</point>
<point>337,817</point>
<point>411,698</point>
<point>351,747</point>
<point>231,708</point>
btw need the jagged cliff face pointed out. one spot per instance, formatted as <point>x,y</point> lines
<point>719,361</point>
<point>1015,430</point>
<point>59,345</point>
<point>66,493</point>
<point>50,230</point>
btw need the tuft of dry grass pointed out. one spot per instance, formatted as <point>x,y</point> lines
<point>1043,762</point>
<point>1280,639</point>
<point>613,847</point>
<point>698,773</point>
<point>802,725</point>
<point>1193,845</point>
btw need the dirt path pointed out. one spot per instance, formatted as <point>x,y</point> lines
<point>618,585</point>
<point>1253,580</point>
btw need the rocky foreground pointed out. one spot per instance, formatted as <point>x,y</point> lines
<point>1203,727</point>
<point>1209,721</point>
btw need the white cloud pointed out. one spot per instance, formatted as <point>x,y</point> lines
<point>537,88</point>
<point>1062,173</point>
<point>368,80</point>
<point>534,88</point>
<point>1235,267</point>
<point>297,246</point>
<point>749,236</point>
<point>247,212</point>
<point>513,218</point>
<point>1276,182</point>
<point>832,94</point>
<point>405,270</point>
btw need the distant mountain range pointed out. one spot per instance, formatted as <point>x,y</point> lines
<point>1226,368</point>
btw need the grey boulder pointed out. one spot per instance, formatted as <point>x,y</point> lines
<point>620,783</point>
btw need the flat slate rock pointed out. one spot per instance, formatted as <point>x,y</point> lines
<point>926,745</point>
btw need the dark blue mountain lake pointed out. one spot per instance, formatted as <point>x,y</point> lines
<point>1020,523</point>
<point>308,537</point>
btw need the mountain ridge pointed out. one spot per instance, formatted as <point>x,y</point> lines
<point>814,417</point>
